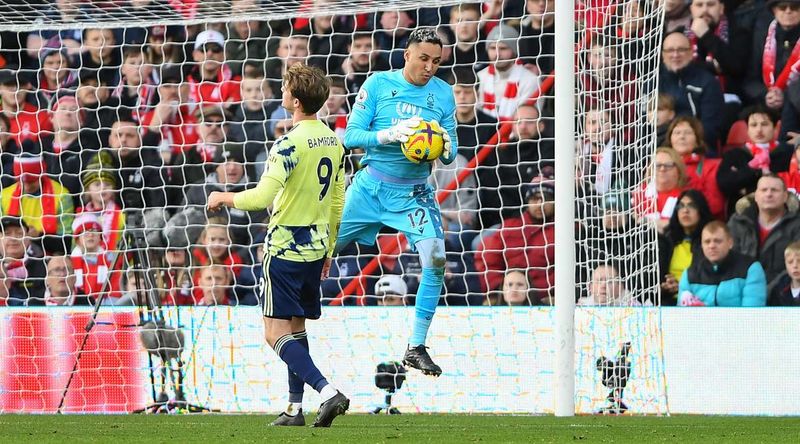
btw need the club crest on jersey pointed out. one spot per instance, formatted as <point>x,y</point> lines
<point>406,110</point>
<point>429,100</point>
<point>362,96</point>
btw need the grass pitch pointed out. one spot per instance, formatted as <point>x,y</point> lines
<point>438,429</point>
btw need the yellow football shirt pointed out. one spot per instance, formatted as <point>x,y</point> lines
<point>304,180</point>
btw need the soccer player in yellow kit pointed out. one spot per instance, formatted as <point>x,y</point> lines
<point>305,179</point>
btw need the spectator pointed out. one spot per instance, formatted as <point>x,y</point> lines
<point>789,137</point>
<point>665,114</point>
<point>346,266</point>
<point>774,54</point>
<point>247,39</point>
<point>173,278</point>
<point>719,46</point>
<point>460,208</point>
<point>214,247</point>
<point>329,40</point>
<point>676,15</point>
<point>22,272</point>
<point>685,135</point>
<point>99,107</point>
<point>94,267</point>
<point>392,35</point>
<point>605,85</point>
<point>363,61</point>
<point>741,167</point>
<point>211,131</point>
<point>792,177</point>
<point>475,127</point>
<point>101,54</point>
<point>613,237</point>
<point>100,196</point>
<point>680,242</point>
<point>171,122</point>
<point>722,277</point>
<point>504,85</point>
<point>391,291</point>
<point>537,36</point>
<point>211,81</point>
<point>165,46</point>
<point>516,288</point>
<point>517,162</point>
<point>28,122</point>
<point>525,242</point>
<point>668,182</point>
<point>469,51</point>
<point>43,203</point>
<point>292,49</point>
<point>249,122</point>
<point>335,111</point>
<point>60,283</point>
<point>460,280</point>
<point>8,150</point>
<point>765,224</point>
<point>136,89</point>
<point>599,155</point>
<point>229,175</point>
<point>696,92</point>
<point>785,290</point>
<point>138,165</point>
<point>62,150</point>
<point>56,72</point>
<point>214,286</point>
<point>607,288</point>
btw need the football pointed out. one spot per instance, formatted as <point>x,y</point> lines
<point>426,144</point>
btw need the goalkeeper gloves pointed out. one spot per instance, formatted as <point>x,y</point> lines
<point>399,132</point>
<point>448,146</point>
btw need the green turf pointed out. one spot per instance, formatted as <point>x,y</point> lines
<point>134,429</point>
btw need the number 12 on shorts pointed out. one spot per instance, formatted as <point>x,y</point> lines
<point>417,218</point>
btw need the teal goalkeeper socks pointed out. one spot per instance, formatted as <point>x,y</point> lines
<point>430,287</point>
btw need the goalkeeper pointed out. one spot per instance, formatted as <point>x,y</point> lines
<point>305,178</point>
<point>391,190</point>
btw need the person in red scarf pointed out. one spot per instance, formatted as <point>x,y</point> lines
<point>212,81</point>
<point>741,167</point>
<point>685,135</point>
<point>775,62</point>
<point>100,187</point>
<point>792,177</point>
<point>43,203</point>
<point>505,84</point>
<point>666,185</point>
<point>94,266</point>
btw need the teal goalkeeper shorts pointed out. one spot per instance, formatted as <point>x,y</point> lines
<point>372,201</point>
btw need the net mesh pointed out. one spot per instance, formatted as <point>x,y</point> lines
<point>121,118</point>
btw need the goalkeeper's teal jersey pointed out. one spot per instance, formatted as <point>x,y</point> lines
<point>387,98</point>
<point>305,178</point>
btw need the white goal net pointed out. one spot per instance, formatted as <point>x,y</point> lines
<point>120,117</point>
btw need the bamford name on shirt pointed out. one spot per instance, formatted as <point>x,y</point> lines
<point>322,141</point>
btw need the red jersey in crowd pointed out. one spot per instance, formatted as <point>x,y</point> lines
<point>28,123</point>
<point>225,89</point>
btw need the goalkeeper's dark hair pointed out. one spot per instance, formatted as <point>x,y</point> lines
<point>424,35</point>
<point>309,85</point>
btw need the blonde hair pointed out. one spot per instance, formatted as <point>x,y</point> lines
<point>677,159</point>
<point>792,248</point>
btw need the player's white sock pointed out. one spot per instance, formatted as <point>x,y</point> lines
<point>293,408</point>
<point>327,392</point>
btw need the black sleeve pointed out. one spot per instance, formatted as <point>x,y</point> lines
<point>734,174</point>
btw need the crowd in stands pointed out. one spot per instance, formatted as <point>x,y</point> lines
<point>111,140</point>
